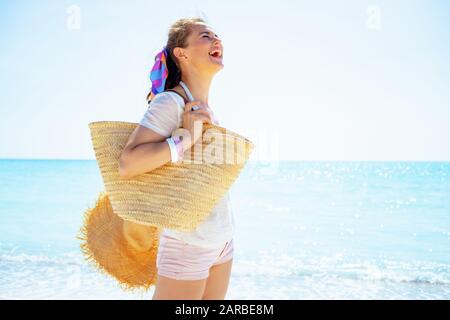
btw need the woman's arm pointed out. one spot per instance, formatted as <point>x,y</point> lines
<point>145,151</point>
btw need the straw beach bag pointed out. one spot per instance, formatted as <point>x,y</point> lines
<point>120,234</point>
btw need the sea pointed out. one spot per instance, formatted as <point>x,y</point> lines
<point>304,230</point>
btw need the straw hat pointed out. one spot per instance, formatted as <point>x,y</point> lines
<point>120,233</point>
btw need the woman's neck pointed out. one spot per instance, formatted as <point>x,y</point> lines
<point>198,85</point>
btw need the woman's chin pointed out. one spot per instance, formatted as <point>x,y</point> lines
<point>214,65</point>
<point>216,61</point>
<point>219,66</point>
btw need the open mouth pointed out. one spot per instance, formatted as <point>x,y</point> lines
<point>217,54</point>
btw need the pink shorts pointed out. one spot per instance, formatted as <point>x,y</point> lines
<point>183,261</point>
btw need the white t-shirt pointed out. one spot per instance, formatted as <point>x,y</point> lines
<point>164,115</point>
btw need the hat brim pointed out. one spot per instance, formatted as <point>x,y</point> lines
<point>105,246</point>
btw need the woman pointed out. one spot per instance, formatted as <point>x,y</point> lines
<point>191,265</point>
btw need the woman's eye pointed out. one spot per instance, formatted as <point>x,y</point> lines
<point>205,36</point>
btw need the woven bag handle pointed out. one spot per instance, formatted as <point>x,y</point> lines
<point>205,125</point>
<point>184,98</point>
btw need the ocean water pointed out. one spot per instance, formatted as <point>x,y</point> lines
<point>305,230</point>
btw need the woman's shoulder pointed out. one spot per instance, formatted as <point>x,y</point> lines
<point>168,97</point>
<point>179,91</point>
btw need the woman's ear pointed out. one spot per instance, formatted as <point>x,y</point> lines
<point>179,53</point>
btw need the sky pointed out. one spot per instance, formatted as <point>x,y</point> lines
<point>304,80</point>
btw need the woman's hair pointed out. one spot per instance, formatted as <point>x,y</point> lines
<point>178,34</point>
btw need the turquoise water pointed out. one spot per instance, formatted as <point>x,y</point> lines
<point>305,230</point>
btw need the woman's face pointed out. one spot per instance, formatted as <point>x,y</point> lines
<point>204,50</point>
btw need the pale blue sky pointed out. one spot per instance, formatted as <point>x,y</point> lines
<point>334,80</point>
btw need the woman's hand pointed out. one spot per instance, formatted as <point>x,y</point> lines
<point>190,117</point>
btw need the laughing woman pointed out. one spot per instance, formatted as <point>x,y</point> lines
<point>197,264</point>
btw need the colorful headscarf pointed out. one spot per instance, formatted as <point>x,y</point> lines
<point>159,72</point>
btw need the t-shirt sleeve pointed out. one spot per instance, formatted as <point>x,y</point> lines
<point>162,115</point>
